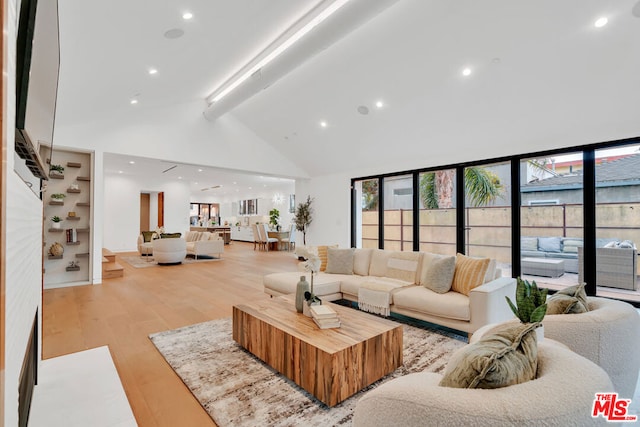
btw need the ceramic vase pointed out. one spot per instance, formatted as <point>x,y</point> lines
<point>301,288</point>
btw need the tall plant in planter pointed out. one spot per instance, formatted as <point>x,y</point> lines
<point>303,218</point>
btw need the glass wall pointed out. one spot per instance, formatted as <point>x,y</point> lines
<point>398,213</point>
<point>617,219</point>
<point>366,213</point>
<point>487,191</point>
<point>551,217</point>
<point>437,216</point>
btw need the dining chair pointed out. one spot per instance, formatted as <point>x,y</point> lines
<point>256,237</point>
<point>291,239</point>
<point>265,233</point>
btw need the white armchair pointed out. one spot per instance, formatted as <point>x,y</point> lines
<point>169,251</point>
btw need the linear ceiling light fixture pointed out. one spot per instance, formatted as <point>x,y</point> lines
<point>240,76</point>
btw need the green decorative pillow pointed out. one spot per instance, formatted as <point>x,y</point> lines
<point>170,235</point>
<point>506,357</point>
<point>339,261</point>
<point>571,300</point>
<point>147,235</point>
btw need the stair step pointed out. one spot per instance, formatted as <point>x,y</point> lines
<point>108,255</point>
<point>110,271</point>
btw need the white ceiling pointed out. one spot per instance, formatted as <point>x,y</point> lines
<point>540,69</point>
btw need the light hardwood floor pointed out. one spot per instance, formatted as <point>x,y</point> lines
<point>122,312</point>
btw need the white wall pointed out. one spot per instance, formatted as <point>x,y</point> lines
<point>121,226</point>
<point>23,250</point>
<point>179,134</point>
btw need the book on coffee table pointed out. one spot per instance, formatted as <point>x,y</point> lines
<point>327,323</point>
<point>323,312</point>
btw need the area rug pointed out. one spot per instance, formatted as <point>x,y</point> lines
<point>237,389</point>
<point>142,262</point>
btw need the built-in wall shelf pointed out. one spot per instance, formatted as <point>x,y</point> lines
<point>87,204</point>
<point>84,178</point>
<point>56,202</point>
<point>82,230</point>
<point>55,256</point>
<point>73,268</point>
<point>73,190</point>
<point>74,218</point>
<point>73,243</point>
<point>74,165</point>
<point>56,230</point>
<point>56,176</point>
<point>83,255</point>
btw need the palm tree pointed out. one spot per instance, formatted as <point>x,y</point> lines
<point>481,186</point>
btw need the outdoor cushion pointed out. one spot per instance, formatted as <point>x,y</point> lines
<point>532,254</point>
<point>529,243</point>
<point>550,244</point>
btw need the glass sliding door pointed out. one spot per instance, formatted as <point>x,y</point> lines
<point>366,213</point>
<point>617,173</point>
<point>551,217</point>
<point>488,213</point>
<point>398,213</point>
<point>437,216</point>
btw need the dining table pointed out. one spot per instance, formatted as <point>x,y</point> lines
<point>280,235</point>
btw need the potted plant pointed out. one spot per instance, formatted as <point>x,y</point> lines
<point>55,221</point>
<point>531,302</point>
<point>58,196</point>
<point>56,170</point>
<point>274,217</point>
<point>303,218</point>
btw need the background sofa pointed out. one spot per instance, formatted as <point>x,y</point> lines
<point>485,303</point>
<point>203,243</point>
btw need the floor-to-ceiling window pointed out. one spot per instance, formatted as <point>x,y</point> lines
<point>488,212</point>
<point>577,218</point>
<point>366,213</point>
<point>617,173</point>
<point>437,214</point>
<point>551,216</point>
<point>398,212</point>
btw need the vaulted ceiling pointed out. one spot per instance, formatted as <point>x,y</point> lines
<point>539,71</point>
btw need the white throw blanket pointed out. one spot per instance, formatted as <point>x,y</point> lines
<point>377,296</point>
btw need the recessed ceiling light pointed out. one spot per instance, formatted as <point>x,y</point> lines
<point>379,104</point>
<point>187,15</point>
<point>131,162</point>
<point>234,182</point>
<point>466,72</point>
<point>134,101</point>
<point>601,22</point>
<point>153,71</point>
<point>195,183</point>
<point>323,124</point>
<point>249,188</point>
<point>199,170</point>
<point>119,171</point>
<point>179,177</point>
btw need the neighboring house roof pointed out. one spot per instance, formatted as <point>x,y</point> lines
<point>623,171</point>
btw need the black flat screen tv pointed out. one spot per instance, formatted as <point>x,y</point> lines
<point>37,69</point>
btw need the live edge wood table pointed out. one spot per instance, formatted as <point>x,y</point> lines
<point>331,364</point>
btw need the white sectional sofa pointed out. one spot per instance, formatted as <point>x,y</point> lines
<point>204,243</point>
<point>485,304</point>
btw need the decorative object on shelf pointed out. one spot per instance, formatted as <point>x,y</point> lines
<point>303,217</point>
<point>72,214</point>
<point>301,288</point>
<point>56,249</point>
<point>73,266</point>
<point>531,303</point>
<point>74,186</point>
<point>56,222</point>
<point>56,170</point>
<point>58,196</point>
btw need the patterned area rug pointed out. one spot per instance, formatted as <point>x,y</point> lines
<point>236,388</point>
<point>143,262</point>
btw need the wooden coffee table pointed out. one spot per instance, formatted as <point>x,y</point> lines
<point>331,364</point>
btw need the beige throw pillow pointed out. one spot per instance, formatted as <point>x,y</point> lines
<point>403,266</point>
<point>506,357</point>
<point>361,261</point>
<point>571,300</point>
<point>439,273</point>
<point>470,273</point>
<point>339,261</point>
